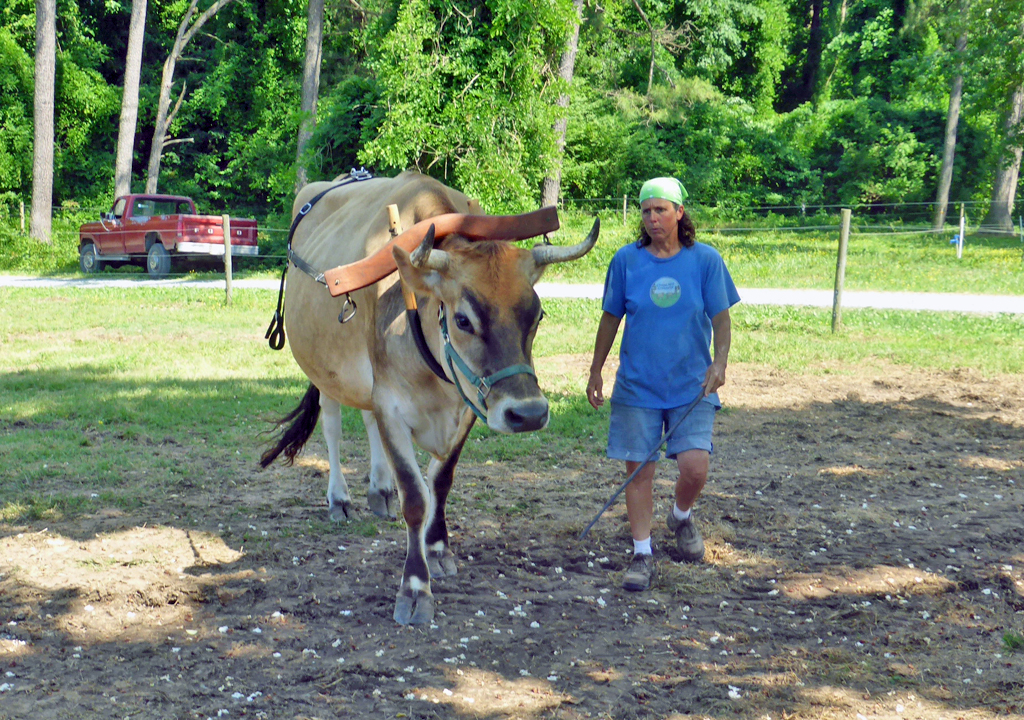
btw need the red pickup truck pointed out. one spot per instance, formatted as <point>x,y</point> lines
<point>152,230</point>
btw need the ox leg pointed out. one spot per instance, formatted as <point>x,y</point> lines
<point>339,502</point>
<point>414,604</point>
<point>440,558</point>
<point>381,495</point>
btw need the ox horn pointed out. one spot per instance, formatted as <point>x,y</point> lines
<point>547,254</point>
<point>426,257</point>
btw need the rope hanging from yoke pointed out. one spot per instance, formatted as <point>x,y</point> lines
<point>275,332</point>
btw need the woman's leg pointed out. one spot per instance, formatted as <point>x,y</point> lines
<point>640,499</point>
<point>640,510</point>
<point>693,475</point>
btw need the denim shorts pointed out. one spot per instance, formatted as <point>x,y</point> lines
<point>633,431</point>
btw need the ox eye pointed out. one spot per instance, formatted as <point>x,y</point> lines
<point>462,323</point>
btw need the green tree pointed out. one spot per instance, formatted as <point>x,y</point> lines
<point>566,68</point>
<point>16,128</point>
<point>191,23</point>
<point>463,89</point>
<point>998,67</point>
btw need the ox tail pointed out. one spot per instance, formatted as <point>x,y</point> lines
<point>296,428</point>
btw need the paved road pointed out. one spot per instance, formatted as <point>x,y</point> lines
<point>943,302</point>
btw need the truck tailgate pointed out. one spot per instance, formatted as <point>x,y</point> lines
<point>209,229</point>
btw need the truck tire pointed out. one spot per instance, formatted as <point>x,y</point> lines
<point>158,261</point>
<point>88,259</point>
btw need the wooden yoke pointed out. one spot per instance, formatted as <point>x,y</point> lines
<point>357,275</point>
<point>395,227</point>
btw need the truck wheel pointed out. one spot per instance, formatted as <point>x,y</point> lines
<point>88,260</point>
<point>158,261</point>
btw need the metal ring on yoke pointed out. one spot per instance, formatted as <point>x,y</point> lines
<point>348,310</point>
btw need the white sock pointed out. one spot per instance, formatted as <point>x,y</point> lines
<point>680,514</point>
<point>642,547</point>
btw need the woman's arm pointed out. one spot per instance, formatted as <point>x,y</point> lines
<point>606,332</point>
<point>721,326</point>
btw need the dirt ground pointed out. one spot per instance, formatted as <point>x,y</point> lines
<point>865,559</point>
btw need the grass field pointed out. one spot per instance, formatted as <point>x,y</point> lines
<point>100,377</point>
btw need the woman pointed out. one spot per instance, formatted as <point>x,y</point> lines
<point>675,294</point>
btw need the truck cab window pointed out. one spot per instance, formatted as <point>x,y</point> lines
<point>119,208</point>
<point>141,208</point>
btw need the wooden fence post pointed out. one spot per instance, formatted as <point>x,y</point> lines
<point>837,295</point>
<point>22,203</point>
<point>226,221</point>
<point>624,206</point>
<point>963,229</point>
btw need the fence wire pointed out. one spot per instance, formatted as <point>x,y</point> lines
<point>908,219</point>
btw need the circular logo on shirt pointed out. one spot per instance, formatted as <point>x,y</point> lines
<point>665,292</point>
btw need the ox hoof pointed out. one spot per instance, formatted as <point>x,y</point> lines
<point>382,503</point>
<point>442,565</point>
<point>414,608</point>
<point>340,511</point>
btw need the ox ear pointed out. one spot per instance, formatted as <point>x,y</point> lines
<point>423,269</point>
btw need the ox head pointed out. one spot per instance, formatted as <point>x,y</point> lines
<point>489,313</point>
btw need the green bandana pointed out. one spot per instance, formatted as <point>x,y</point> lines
<point>665,188</point>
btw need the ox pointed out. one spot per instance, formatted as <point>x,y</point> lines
<point>481,291</point>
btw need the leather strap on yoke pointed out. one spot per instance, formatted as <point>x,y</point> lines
<point>359,274</point>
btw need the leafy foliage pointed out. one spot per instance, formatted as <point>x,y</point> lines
<point>15,113</point>
<point>353,113</point>
<point>466,91</point>
<point>464,85</point>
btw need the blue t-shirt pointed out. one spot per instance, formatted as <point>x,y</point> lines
<point>668,305</point>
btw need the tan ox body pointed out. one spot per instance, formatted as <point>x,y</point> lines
<point>371,362</point>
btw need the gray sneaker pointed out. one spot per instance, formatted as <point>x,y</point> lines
<point>641,573</point>
<point>688,540</point>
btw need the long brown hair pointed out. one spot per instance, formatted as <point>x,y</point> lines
<point>686,231</point>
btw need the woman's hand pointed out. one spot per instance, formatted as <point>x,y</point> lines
<point>606,331</point>
<point>595,389</point>
<point>714,378</point>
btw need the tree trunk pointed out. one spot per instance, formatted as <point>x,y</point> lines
<point>949,145</point>
<point>1004,189</point>
<point>165,115</point>
<point>552,186</point>
<point>654,44</point>
<point>812,63</point>
<point>310,86</point>
<point>130,101</point>
<point>42,149</point>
